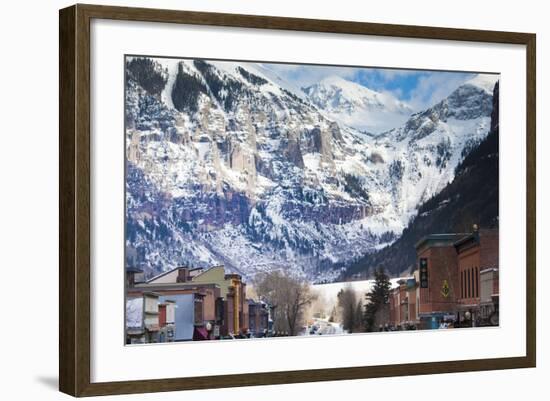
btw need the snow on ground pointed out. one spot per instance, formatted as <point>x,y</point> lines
<point>324,327</point>
<point>329,292</point>
<point>172,66</point>
<point>246,150</point>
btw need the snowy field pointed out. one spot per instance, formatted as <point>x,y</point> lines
<point>329,292</point>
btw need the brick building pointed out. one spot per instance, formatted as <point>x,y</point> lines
<point>489,296</point>
<point>142,318</point>
<point>233,293</point>
<point>404,304</point>
<point>258,314</point>
<point>457,279</point>
<point>195,304</point>
<point>210,303</point>
<point>167,321</point>
<point>439,279</point>
<point>477,255</point>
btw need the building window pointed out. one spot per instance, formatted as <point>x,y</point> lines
<point>463,284</point>
<point>465,272</point>
<point>477,282</point>
<point>474,284</point>
<point>469,283</point>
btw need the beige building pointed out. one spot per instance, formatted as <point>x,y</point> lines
<point>233,290</point>
<point>220,298</point>
<point>142,318</point>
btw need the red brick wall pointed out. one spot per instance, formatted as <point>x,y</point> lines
<point>489,248</point>
<point>210,304</point>
<point>228,318</point>
<point>394,307</point>
<point>469,268</point>
<point>472,260</point>
<point>244,321</point>
<point>442,265</point>
<point>412,304</point>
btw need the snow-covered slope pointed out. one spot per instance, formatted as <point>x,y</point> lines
<point>483,81</point>
<point>225,164</point>
<point>358,106</point>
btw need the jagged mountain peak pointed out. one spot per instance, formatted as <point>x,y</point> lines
<point>471,198</point>
<point>356,105</point>
<point>228,165</point>
<point>467,107</point>
<point>350,88</point>
<point>484,81</point>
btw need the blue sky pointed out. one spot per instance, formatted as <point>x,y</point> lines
<point>419,88</point>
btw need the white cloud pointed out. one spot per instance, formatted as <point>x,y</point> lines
<point>430,88</point>
<point>305,75</point>
<point>389,74</point>
<point>434,87</point>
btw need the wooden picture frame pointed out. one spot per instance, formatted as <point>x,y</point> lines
<point>75,199</point>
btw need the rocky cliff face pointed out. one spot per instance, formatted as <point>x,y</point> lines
<point>471,198</point>
<point>227,165</point>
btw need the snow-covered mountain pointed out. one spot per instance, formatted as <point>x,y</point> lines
<point>357,106</point>
<point>226,164</point>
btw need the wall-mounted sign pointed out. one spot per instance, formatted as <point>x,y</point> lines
<point>423,267</point>
<point>445,290</point>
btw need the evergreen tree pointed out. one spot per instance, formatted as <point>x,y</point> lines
<point>376,298</point>
<point>147,73</point>
<point>186,91</point>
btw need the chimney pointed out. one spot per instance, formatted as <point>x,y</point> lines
<point>132,275</point>
<point>183,275</point>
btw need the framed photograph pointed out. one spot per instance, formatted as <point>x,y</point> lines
<point>249,200</point>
